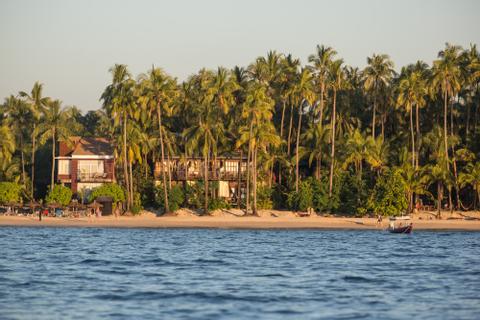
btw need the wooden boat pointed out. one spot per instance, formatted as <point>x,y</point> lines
<point>400,225</point>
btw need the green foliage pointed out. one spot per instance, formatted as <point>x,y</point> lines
<point>279,196</point>
<point>10,192</point>
<point>60,194</point>
<point>218,203</point>
<point>353,195</point>
<point>176,197</point>
<point>264,197</point>
<point>303,199</point>
<point>388,196</point>
<point>109,190</point>
<point>194,195</point>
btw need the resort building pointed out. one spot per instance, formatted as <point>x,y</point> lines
<point>85,163</point>
<point>229,171</point>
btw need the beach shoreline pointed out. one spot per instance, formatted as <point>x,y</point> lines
<point>268,219</point>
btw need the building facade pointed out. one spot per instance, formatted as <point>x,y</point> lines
<point>85,163</point>
<point>229,171</point>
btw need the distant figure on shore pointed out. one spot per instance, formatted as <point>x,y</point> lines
<point>379,219</point>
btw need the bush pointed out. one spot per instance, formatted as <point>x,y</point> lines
<point>10,192</point>
<point>59,194</point>
<point>108,190</point>
<point>264,197</point>
<point>279,197</point>
<point>218,203</point>
<point>176,197</point>
<point>353,195</point>
<point>388,196</point>
<point>303,199</point>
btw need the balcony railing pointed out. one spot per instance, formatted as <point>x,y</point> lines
<point>180,175</point>
<point>93,176</point>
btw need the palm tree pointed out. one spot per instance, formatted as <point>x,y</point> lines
<point>161,90</point>
<point>302,94</point>
<point>7,146</point>
<point>356,148</point>
<point>439,174</point>
<point>118,100</point>
<point>336,82</point>
<point>316,136</point>
<point>19,119</point>
<point>321,61</point>
<point>258,110</point>
<point>37,104</point>
<point>411,92</point>
<point>471,176</point>
<point>446,77</point>
<point>377,76</point>
<point>56,125</point>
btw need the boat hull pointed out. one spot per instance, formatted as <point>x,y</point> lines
<point>406,229</point>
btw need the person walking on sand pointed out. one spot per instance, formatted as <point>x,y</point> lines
<point>379,220</point>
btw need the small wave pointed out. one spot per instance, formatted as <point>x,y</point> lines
<point>360,279</point>
<point>95,262</point>
<point>271,275</point>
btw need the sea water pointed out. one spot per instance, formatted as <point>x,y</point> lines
<point>98,273</point>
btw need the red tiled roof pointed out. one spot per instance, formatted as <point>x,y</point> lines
<point>86,146</point>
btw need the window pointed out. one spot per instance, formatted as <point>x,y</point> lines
<point>63,166</point>
<point>90,166</point>
<point>231,166</point>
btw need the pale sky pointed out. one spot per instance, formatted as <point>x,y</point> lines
<point>70,45</point>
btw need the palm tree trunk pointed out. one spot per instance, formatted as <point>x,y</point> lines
<point>53,159</point>
<point>239,183</point>
<point>255,213</point>
<point>33,161</point>
<point>413,137</point>
<point>159,115</point>
<point>125,161</point>
<point>283,117</point>
<point>290,130</point>
<point>332,164</point>
<point>24,179</point>
<point>445,132</point>
<point>297,171</point>
<point>373,118</point>
<point>322,93</point>
<point>247,205</point>
<point>454,161</point>
<point>439,198</point>
<point>412,196</point>
<point>205,179</point>
<point>169,170</point>
<point>417,120</point>
<point>131,183</point>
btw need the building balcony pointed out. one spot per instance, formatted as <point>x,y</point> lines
<point>182,175</point>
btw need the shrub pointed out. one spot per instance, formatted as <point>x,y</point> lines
<point>218,203</point>
<point>303,199</point>
<point>353,195</point>
<point>59,194</point>
<point>388,196</point>
<point>108,190</point>
<point>176,197</point>
<point>10,192</point>
<point>264,197</point>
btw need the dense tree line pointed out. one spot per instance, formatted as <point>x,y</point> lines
<point>324,135</point>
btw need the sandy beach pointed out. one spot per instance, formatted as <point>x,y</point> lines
<point>232,219</point>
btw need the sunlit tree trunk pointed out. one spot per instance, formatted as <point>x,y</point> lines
<point>249,153</point>
<point>32,190</point>
<point>332,164</point>
<point>162,150</point>
<point>125,161</point>
<point>297,171</point>
<point>255,213</point>
<point>290,130</point>
<point>53,159</point>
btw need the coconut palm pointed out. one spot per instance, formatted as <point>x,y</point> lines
<point>160,94</point>
<point>356,149</point>
<point>336,77</point>
<point>37,105</point>
<point>56,125</point>
<point>19,119</point>
<point>471,176</point>
<point>118,101</point>
<point>377,76</point>
<point>320,65</point>
<point>446,77</point>
<point>7,146</point>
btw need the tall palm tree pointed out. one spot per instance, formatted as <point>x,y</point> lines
<point>7,146</point>
<point>321,61</point>
<point>118,101</point>
<point>37,105</point>
<point>336,82</point>
<point>412,91</point>
<point>377,76</point>
<point>161,91</point>
<point>56,125</point>
<point>471,176</point>
<point>303,95</point>
<point>446,77</point>
<point>19,119</point>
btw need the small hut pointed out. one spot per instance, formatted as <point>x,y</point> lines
<point>106,202</point>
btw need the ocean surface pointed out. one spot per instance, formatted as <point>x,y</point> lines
<point>98,273</point>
